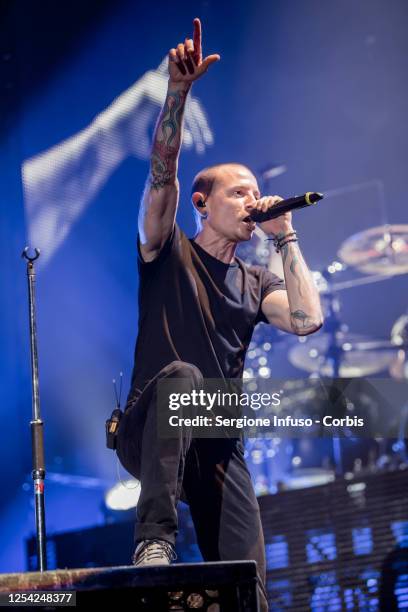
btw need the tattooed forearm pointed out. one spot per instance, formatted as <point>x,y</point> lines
<point>292,267</point>
<point>163,165</point>
<point>304,305</point>
<point>294,264</point>
<point>172,115</point>
<point>167,140</point>
<point>301,321</point>
<point>285,253</point>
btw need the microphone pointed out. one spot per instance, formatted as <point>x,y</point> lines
<point>309,198</point>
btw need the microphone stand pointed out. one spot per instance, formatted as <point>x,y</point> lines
<point>36,424</point>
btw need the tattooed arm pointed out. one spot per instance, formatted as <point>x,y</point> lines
<point>158,208</point>
<point>296,310</point>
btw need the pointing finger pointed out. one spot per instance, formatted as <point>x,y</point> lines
<point>197,41</point>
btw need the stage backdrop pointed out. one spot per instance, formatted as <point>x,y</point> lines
<point>318,88</point>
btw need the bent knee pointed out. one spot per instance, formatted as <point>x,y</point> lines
<point>183,369</point>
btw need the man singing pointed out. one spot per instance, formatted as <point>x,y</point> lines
<point>198,306</point>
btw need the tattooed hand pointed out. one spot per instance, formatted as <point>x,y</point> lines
<point>186,63</point>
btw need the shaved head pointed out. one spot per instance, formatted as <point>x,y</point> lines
<point>204,181</point>
<point>220,196</point>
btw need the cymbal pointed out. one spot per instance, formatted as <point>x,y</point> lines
<point>399,331</point>
<point>399,336</point>
<point>378,250</point>
<point>360,355</point>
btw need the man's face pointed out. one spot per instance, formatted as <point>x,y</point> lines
<point>232,198</point>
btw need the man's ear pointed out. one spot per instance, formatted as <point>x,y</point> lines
<point>198,199</point>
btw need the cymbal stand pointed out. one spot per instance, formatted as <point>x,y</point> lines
<point>333,357</point>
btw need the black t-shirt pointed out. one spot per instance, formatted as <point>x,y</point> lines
<point>196,308</point>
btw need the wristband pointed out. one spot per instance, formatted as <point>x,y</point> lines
<point>282,244</point>
<point>282,240</point>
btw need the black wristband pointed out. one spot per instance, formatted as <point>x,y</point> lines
<point>282,240</point>
<point>282,244</point>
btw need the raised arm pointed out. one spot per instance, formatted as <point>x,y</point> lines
<point>158,208</point>
<point>296,310</point>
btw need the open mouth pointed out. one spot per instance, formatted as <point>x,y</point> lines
<point>249,222</point>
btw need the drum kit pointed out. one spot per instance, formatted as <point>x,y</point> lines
<point>374,255</point>
<point>379,253</point>
<point>365,258</point>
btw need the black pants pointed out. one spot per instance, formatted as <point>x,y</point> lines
<point>209,473</point>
